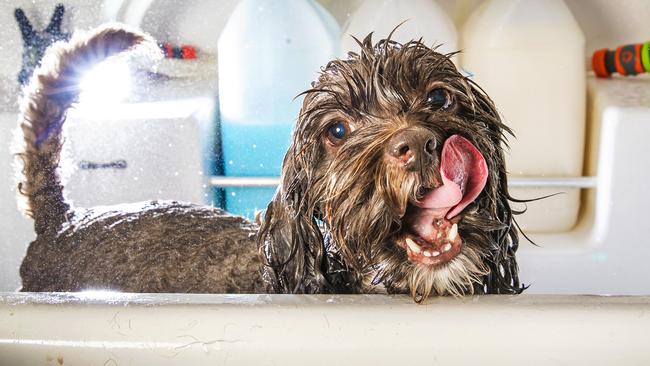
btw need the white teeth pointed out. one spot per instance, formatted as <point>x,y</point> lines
<point>446,247</point>
<point>453,233</point>
<point>428,253</point>
<point>413,246</point>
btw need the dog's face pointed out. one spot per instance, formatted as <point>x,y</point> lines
<point>398,157</point>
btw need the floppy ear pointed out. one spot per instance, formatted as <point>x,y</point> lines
<point>289,238</point>
<point>503,276</point>
<point>504,271</point>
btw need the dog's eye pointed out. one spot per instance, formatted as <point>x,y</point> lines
<point>439,98</point>
<point>337,132</point>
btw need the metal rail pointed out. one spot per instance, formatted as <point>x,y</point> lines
<point>513,182</point>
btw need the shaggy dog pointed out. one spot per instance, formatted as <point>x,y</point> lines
<point>394,183</point>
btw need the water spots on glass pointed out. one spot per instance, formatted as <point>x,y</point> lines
<point>600,257</point>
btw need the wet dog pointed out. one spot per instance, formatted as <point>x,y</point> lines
<point>394,183</point>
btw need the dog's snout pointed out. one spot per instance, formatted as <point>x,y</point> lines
<point>413,148</point>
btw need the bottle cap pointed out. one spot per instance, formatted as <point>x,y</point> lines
<point>598,63</point>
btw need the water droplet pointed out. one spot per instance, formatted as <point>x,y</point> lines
<point>170,145</point>
<point>176,174</point>
<point>254,146</point>
<point>230,162</point>
<point>233,194</point>
<point>200,172</point>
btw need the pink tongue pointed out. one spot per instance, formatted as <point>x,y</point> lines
<point>464,173</point>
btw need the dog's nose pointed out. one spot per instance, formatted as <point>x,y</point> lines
<point>415,148</point>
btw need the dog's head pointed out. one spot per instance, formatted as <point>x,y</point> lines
<point>394,179</point>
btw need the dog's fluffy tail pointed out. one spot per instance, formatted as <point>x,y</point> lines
<point>53,88</point>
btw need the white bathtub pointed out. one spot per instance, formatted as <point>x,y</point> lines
<point>124,329</point>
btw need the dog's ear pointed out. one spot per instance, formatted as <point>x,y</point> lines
<point>503,276</point>
<point>289,238</point>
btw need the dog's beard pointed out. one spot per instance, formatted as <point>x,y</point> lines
<point>457,277</point>
<point>367,213</point>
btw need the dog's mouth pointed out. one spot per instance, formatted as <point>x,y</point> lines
<point>430,233</point>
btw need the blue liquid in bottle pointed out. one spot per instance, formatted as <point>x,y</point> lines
<point>269,52</point>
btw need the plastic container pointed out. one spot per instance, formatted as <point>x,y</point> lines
<point>268,53</point>
<point>529,57</point>
<point>424,19</point>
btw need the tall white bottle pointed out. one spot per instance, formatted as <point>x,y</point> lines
<point>424,19</point>
<point>529,57</point>
<point>268,53</point>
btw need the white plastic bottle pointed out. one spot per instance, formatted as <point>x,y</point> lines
<point>529,57</point>
<point>424,19</point>
<point>268,53</point>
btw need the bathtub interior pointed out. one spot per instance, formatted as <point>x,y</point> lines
<point>603,254</point>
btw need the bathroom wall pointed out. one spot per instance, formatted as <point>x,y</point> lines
<point>605,23</point>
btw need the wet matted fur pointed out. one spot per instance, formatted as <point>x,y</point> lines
<point>338,220</point>
<point>339,217</point>
<point>145,247</point>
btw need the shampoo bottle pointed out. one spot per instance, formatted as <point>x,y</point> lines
<point>529,57</point>
<point>418,18</point>
<point>268,53</point>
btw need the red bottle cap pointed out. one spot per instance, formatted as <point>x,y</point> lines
<point>598,63</point>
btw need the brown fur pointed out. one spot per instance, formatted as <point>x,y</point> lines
<point>145,247</point>
<point>332,224</point>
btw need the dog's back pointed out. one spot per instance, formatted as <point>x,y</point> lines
<point>148,247</point>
